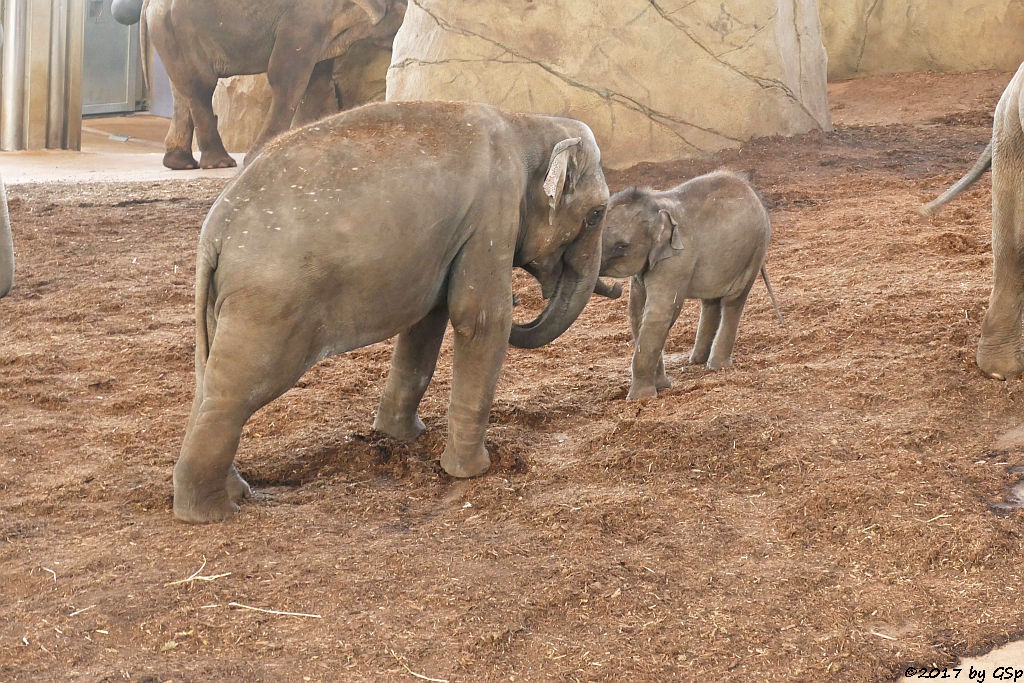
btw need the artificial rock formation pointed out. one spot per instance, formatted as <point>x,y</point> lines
<point>866,37</point>
<point>655,79</point>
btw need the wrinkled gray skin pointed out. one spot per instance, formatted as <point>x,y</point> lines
<point>393,218</point>
<point>999,350</point>
<point>705,239</point>
<point>294,43</point>
<point>6,245</point>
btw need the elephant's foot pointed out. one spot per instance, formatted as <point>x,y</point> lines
<point>999,363</point>
<point>699,356</point>
<point>195,506</point>
<point>639,391</point>
<point>217,159</point>
<point>401,429</point>
<point>663,382</point>
<point>180,160</point>
<point>719,363</point>
<point>464,467</point>
<point>237,488</point>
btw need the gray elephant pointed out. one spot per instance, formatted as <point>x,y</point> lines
<point>999,350</point>
<point>705,239</point>
<point>392,218</point>
<point>6,245</point>
<point>294,43</point>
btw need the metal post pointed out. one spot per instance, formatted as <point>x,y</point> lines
<point>12,100</point>
<point>55,100</point>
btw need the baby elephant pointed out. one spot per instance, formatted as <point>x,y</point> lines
<point>705,239</point>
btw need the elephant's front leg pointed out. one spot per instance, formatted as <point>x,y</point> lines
<point>319,99</point>
<point>412,367</point>
<point>999,352</point>
<point>289,72</point>
<point>480,306</point>
<point>661,308</point>
<point>637,301</point>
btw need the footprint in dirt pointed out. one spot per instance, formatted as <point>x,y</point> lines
<point>1012,440</point>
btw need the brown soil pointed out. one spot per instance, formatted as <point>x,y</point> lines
<point>820,511</point>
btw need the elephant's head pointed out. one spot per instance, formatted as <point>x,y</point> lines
<point>639,231</point>
<point>560,234</point>
<point>377,9</point>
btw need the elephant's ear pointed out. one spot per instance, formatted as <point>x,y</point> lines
<point>377,9</point>
<point>558,177</point>
<point>668,238</point>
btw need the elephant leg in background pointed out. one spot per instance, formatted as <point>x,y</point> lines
<point>725,338</point>
<point>228,391</point>
<point>480,306</point>
<point>289,73</point>
<point>412,367</point>
<point>999,351</point>
<point>211,148</point>
<point>710,319</point>
<point>178,141</point>
<point>6,245</point>
<point>660,311</point>
<point>319,100</point>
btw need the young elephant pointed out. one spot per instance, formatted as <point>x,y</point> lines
<point>389,219</point>
<point>705,239</point>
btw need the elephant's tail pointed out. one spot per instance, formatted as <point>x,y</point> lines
<point>144,48</point>
<point>206,266</point>
<point>983,164</point>
<point>768,286</point>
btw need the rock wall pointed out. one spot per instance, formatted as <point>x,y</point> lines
<point>865,37</point>
<point>655,79</point>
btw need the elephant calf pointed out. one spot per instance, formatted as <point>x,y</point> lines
<point>394,218</point>
<point>705,239</point>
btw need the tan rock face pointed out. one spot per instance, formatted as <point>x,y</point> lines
<point>654,79</point>
<point>866,37</point>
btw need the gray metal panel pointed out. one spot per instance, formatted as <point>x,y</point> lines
<point>110,61</point>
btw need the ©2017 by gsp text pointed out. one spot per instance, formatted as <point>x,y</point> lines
<point>971,673</point>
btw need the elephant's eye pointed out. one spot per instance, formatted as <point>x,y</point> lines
<point>595,216</point>
<point>619,248</point>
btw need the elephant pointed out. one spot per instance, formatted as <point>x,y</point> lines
<point>389,219</point>
<point>126,12</point>
<point>705,239</point>
<point>999,350</point>
<point>294,43</point>
<point>6,244</point>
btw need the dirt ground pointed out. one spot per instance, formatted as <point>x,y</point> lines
<point>824,510</point>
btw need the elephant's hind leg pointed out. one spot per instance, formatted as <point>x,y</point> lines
<point>178,141</point>
<point>707,326</point>
<point>207,487</point>
<point>412,367</point>
<point>999,351</point>
<point>725,338</point>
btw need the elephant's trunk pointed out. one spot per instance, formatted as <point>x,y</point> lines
<point>6,245</point>
<point>580,265</point>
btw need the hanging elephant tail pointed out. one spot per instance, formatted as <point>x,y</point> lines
<point>983,164</point>
<point>6,245</point>
<point>206,323</point>
<point>771,294</point>
<point>144,48</point>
